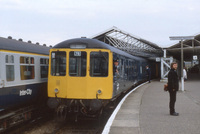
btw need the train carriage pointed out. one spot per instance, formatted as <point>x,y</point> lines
<point>86,74</point>
<point>23,78</point>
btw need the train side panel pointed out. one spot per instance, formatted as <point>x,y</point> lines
<point>23,80</point>
<point>130,72</point>
<point>22,83</point>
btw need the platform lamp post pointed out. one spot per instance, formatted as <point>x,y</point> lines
<point>181,39</point>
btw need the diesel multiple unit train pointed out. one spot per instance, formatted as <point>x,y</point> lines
<point>86,74</point>
<point>23,80</point>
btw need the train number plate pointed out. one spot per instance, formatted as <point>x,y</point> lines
<point>77,53</point>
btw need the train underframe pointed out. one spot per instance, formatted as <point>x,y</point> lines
<point>12,118</point>
<point>87,107</point>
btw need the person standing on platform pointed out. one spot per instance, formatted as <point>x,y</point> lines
<point>173,86</point>
<point>148,70</point>
<point>185,74</point>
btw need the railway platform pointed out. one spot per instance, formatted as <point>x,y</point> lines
<point>146,111</point>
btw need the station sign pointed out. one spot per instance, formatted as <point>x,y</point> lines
<point>157,59</point>
<point>181,37</point>
<point>195,57</point>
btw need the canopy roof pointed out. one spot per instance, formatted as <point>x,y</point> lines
<point>190,47</point>
<point>129,43</point>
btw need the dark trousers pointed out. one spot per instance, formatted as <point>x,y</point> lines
<point>148,78</point>
<point>172,95</point>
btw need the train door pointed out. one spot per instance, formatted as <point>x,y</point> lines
<point>140,71</point>
<point>126,74</point>
<point>130,70</point>
<point>118,72</point>
<point>121,64</point>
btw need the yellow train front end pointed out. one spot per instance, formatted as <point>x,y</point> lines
<point>80,80</point>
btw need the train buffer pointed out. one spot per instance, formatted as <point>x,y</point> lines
<point>146,111</point>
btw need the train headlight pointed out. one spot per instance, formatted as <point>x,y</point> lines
<point>99,91</point>
<point>56,90</point>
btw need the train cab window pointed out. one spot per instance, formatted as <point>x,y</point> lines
<point>77,63</point>
<point>44,63</point>
<point>10,72</point>
<point>58,63</point>
<point>98,64</point>
<point>27,68</point>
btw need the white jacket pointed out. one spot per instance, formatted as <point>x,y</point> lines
<point>184,74</point>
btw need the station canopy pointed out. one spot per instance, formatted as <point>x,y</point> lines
<point>129,43</point>
<point>190,48</point>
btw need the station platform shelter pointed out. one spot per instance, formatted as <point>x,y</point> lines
<point>186,53</point>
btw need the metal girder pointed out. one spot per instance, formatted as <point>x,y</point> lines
<point>132,46</point>
<point>197,41</point>
<point>165,67</point>
<point>129,43</point>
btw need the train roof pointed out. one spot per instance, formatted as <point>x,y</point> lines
<point>20,46</point>
<point>93,43</point>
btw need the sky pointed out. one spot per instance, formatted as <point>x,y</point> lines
<point>50,21</point>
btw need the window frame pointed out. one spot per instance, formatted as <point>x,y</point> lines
<point>54,71</point>
<point>30,63</point>
<point>44,63</point>
<point>10,62</point>
<point>107,54</point>
<point>79,74</point>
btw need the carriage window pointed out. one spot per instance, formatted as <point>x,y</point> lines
<point>98,64</point>
<point>27,68</point>
<point>9,59</point>
<point>140,69</point>
<point>27,60</point>
<point>44,63</point>
<point>58,63</point>
<point>10,73</point>
<point>77,63</point>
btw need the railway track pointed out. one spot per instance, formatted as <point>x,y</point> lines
<point>53,125</point>
<point>48,123</point>
<point>41,115</point>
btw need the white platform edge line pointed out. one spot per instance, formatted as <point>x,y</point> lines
<point>106,129</point>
